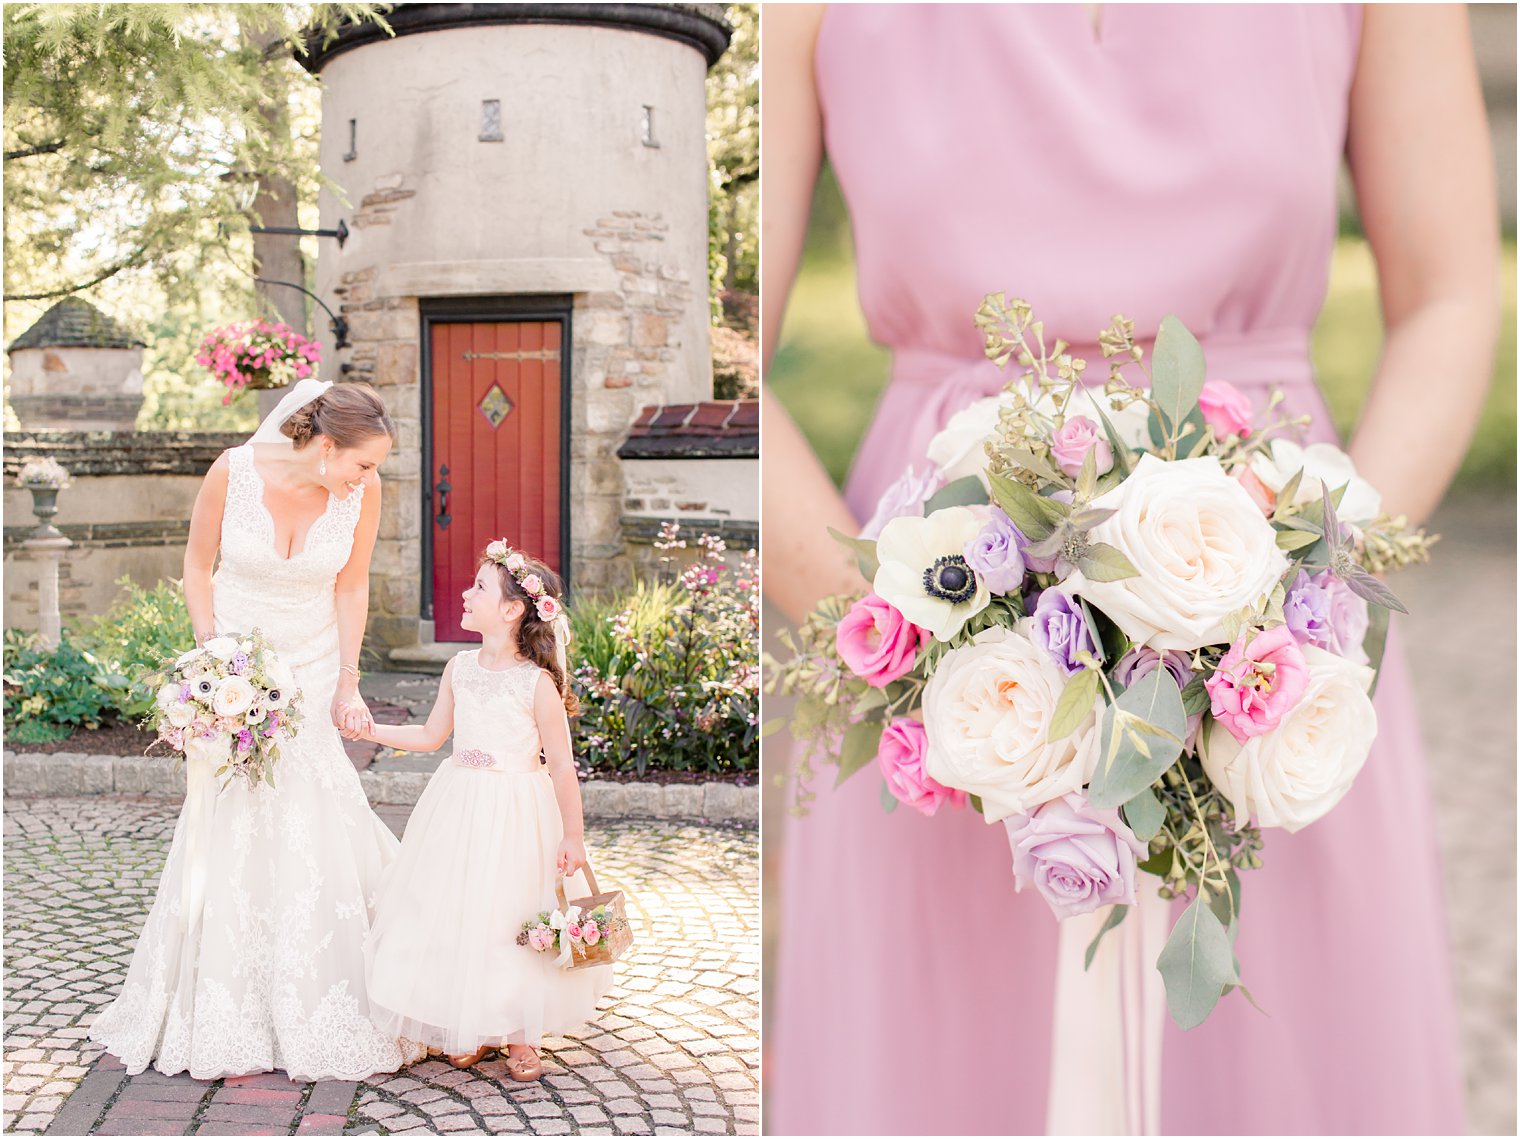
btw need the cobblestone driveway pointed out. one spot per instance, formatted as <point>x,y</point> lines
<point>674,1048</point>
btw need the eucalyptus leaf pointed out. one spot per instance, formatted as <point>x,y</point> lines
<point>962,492</point>
<point>1123,460</point>
<point>1144,815</point>
<point>1103,562</point>
<point>1226,903</point>
<point>888,800</point>
<point>1029,461</point>
<point>1159,864</point>
<point>1035,517</point>
<point>870,699</point>
<point>861,742</point>
<point>1177,371</point>
<point>1290,540</point>
<point>865,552</point>
<point>1152,706</point>
<point>1115,916</point>
<point>1087,477</point>
<point>1195,965</point>
<point>1075,704</point>
<point>1195,696</point>
<point>1376,641</point>
<point>1087,519</point>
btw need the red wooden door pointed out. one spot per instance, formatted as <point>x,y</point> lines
<point>497,422</point>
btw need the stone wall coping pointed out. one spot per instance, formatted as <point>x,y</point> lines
<point>514,275</point>
<point>96,453</point>
<point>43,774</point>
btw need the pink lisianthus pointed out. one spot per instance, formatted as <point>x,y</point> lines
<point>877,643</point>
<point>1078,856</point>
<point>1258,682</point>
<point>1073,439</point>
<point>901,759</point>
<point>1225,408</point>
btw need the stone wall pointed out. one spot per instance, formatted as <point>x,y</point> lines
<point>127,511</point>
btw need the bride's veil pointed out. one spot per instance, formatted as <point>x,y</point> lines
<point>296,398</point>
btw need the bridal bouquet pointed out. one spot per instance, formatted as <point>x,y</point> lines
<point>1137,624</point>
<point>257,354</point>
<point>231,701</point>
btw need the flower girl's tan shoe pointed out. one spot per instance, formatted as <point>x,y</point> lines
<point>525,1067</point>
<point>470,1059</point>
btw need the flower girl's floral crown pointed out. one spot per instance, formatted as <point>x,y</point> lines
<point>516,563</point>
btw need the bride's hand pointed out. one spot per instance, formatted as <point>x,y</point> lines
<point>350,715</point>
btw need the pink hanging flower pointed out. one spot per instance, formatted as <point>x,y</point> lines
<point>1225,408</point>
<point>1258,682</point>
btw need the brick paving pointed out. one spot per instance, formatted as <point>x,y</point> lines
<point>674,1047</point>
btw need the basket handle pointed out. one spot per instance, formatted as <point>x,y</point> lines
<point>559,886</point>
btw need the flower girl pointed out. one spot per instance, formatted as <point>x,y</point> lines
<point>486,838</point>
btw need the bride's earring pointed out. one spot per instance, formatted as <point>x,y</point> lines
<point>322,466</point>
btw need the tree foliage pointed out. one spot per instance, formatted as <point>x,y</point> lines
<point>733,149</point>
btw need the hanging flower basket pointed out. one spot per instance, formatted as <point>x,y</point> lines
<point>257,354</point>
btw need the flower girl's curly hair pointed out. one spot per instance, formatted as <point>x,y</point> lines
<point>348,414</point>
<point>541,608</point>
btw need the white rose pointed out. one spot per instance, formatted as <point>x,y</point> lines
<point>1201,545</point>
<point>180,714</point>
<point>211,749</point>
<point>496,550</point>
<point>987,711</point>
<point>1321,463</point>
<point>233,697</point>
<point>188,656</point>
<point>960,449</point>
<point>1295,773</point>
<point>923,571</point>
<point>168,695</point>
<point>221,647</point>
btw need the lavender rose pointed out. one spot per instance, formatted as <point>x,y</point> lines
<point>1322,611</point>
<point>996,554</point>
<point>1078,856</point>
<point>904,497</point>
<point>1058,626</point>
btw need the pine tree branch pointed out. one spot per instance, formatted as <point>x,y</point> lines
<point>127,262</point>
<point>34,151</point>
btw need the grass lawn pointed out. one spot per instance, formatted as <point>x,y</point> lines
<point>829,374</point>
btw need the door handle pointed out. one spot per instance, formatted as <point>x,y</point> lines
<point>442,488</point>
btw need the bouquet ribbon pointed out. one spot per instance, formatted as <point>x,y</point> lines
<point>200,806</point>
<point>561,922</point>
<point>1105,1064</point>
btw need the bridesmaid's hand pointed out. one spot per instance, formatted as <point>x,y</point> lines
<point>571,857</point>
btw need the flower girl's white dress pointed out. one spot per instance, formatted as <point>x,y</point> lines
<point>477,861</point>
<point>252,957</point>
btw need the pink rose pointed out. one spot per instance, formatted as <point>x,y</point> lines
<point>574,930</point>
<point>901,759</point>
<point>877,643</point>
<point>548,608</point>
<point>1073,439</point>
<point>591,933</point>
<point>1258,682</point>
<point>1225,408</point>
<point>1078,856</point>
<point>541,937</point>
<point>1261,494</point>
<point>532,584</point>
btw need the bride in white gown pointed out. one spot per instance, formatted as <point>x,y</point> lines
<point>252,957</point>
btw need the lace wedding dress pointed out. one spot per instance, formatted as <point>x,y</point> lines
<point>264,969</point>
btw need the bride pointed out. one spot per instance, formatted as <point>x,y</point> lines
<point>252,956</point>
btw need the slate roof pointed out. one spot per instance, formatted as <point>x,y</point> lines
<point>75,323</point>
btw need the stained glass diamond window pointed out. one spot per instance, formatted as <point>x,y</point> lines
<point>495,406</point>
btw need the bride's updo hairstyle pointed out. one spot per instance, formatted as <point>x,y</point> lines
<point>348,414</point>
<point>535,635</point>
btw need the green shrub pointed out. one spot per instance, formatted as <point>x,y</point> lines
<point>141,629</point>
<point>50,692</point>
<point>667,674</point>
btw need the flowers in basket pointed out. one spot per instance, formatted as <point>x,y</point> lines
<point>1137,624</point>
<point>572,933</point>
<point>231,701</point>
<point>257,354</point>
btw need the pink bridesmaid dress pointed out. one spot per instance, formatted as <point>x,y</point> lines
<point>1183,159</point>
